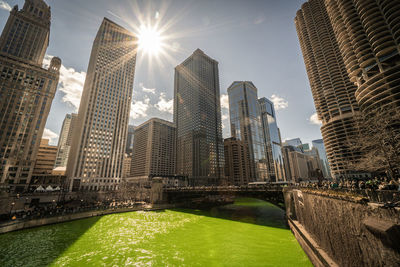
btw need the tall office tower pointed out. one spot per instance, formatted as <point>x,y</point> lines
<point>272,141</point>
<point>237,161</point>
<point>197,116</point>
<point>246,125</point>
<point>129,139</point>
<point>319,146</point>
<point>154,153</point>
<point>368,34</point>
<point>98,144</point>
<point>26,91</point>
<point>45,158</point>
<point>333,92</point>
<point>64,142</point>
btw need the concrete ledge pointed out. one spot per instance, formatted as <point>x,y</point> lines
<point>315,253</point>
<point>10,227</point>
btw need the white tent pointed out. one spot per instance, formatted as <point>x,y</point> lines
<point>40,189</point>
<point>49,188</point>
<point>57,188</point>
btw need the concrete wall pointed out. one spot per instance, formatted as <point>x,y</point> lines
<point>348,230</point>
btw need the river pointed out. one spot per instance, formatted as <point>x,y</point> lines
<point>249,232</point>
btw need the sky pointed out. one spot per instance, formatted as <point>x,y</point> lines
<point>253,40</point>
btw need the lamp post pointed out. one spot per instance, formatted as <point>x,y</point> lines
<point>12,206</point>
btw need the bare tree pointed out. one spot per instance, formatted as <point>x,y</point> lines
<point>379,141</point>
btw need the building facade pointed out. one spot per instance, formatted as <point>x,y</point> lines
<point>368,35</point>
<point>45,158</point>
<point>154,153</point>
<point>300,166</point>
<point>64,141</point>
<point>237,162</point>
<point>99,142</point>
<point>26,91</point>
<point>126,170</point>
<point>245,119</point>
<point>197,116</point>
<point>272,141</point>
<point>332,90</point>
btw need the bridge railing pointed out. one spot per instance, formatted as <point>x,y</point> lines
<point>226,188</point>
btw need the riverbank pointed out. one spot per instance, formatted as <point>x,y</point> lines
<point>26,224</point>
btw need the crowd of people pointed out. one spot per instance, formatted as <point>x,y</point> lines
<point>76,206</point>
<point>373,184</point>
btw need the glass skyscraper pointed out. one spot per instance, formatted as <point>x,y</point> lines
<point>98,144</point>
<point>272,141</point>
<point>320,147</point>
<point>245,119</point>
<point>197,116</point>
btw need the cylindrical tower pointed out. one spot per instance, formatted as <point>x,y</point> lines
<point>368,34</point>
<point>333,92</point>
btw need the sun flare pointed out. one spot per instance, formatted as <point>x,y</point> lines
<point>150,40</point>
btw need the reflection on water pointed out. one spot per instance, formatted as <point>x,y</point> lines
<point>248,233</point>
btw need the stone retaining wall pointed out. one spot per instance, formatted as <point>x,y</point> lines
<point>350,231</point>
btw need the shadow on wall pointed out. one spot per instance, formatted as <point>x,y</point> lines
<point>43,245</point>
<point>246,210</point>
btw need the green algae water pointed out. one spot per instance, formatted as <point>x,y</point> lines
<point>247,233</point>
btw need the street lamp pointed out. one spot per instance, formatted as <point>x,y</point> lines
<point>12,206</point>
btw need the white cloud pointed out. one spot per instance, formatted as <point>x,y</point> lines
<point>49,134</point>
<point>71,83</point>
<point>147,90</point>
<point>279,102</point>
<point>165,105</point>
<point>139,108</point>
<point>4,5</point>
<point>224,101</point>
<point>314,119</point>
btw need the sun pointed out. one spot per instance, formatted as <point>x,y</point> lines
<point>150,40</point>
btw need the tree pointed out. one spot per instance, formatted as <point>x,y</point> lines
<point>378,142</point>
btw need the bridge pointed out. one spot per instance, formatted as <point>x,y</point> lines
<point>223,194</point>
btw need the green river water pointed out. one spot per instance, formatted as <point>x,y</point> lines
<point>247,233</point>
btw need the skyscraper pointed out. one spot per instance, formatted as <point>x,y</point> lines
<point>333,92</point>
<point>245,118</point>
<point>368,34</point>
<point>272,141</point>
<point>197,116</point>
<point>98,145</point>
<point>26,91</point>
<point>319,146</point>
<point>154,153</point>
<point>237,161</point>
<point>64,141</point>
